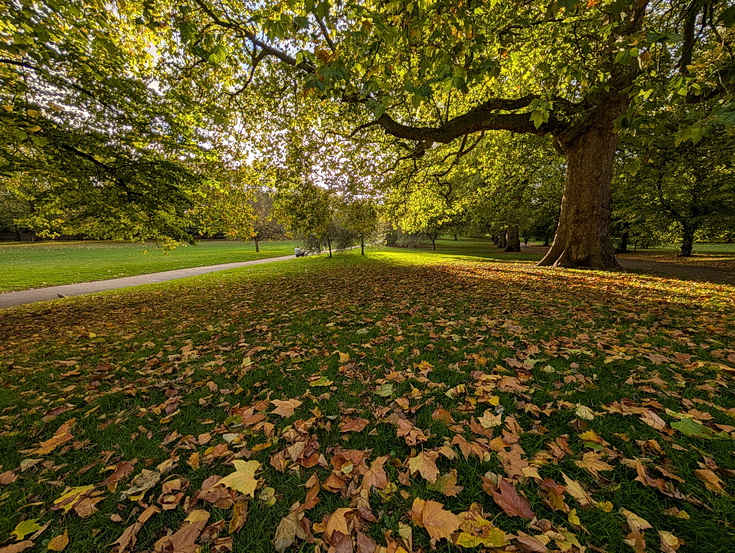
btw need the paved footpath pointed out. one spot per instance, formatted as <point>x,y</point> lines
<point>9,299</point>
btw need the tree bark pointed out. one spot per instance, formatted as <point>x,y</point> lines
<point>362,245</point>
<point>329,245</point>
<point>257,246</point>
<point>502,240</point>
<point>513,241</point>
<point>687,238</point>
<point>583,234</point>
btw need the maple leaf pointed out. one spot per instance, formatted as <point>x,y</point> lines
<point>425,464</point>
<point>337,522</point>
<point>243,479</point>
<point>591,461</point>
<point>25,528</point>
<point>432,516</point>
<point>183,540</point>
<point>289,529</point>
<point>507,498</point>
<point>447,484</point>
<point>62,435</point>
<point>490,419</point>
<point>285,408</point>
<point>353,425</point>
<point>375,477</point>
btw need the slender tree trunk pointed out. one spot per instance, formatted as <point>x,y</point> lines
<point>329,245</point>
<point>362,245</point>
<point>257,246</point>
<point>687,238</point>
<point>624,239</point>
<point>433,241</point>
<point>583,234</point>
<point>546,236</point>
<point>513,241</point>
<point>455,238</point>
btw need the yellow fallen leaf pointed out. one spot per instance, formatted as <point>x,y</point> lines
<point>432,516</point>
<point>243,479</point>
<point>59,543</point>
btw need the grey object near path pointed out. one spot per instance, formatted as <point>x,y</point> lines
<point>21,297</point>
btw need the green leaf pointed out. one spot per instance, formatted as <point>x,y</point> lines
<point>385,390</point>
<point>692,428</point>
<point>24,528</point>
<point>727,17</point>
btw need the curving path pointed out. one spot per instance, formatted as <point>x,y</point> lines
<point>21,297</point>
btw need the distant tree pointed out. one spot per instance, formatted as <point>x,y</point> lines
<point>690,184</point>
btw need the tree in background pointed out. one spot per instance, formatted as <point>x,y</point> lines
<point>103,142</point>
<point>666,182</point>
<point>433,74</point>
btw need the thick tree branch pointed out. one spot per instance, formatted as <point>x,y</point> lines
<point>484,117</point>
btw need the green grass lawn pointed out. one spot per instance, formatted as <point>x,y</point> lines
<point>37,265</point>
<point>409,398</point>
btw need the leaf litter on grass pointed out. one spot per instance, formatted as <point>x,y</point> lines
<point>480,405</point>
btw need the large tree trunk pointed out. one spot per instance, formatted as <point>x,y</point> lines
<point>513,241</point>
<point>583,234</point>
<point>502,240</point>
<point>687,238</point>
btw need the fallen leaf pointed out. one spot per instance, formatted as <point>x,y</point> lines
<point>508,498</point>
<point>285,408</point>
<point>432,516</point>
<point>62,435</point>
<point>711,481</point>
<point>447,484</point>
<point>669,542</point>
<point>635,523</point>
<point>353,425</point>
<point>59,543</point>
<point>24,528</point>
<point>425,464</point>
<point>243,479</point>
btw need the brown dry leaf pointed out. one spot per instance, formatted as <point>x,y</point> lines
<point>592,462</point>
<point>425,464</point>
<point>239,516</point>
<point>62,435</point>
<point>577,492</point>
<point>432,516</point>
<point>508,499</point>
<point>711,481</point>
<point>337,523</point>
<point>183,540</point>
<point>490,420</point>
<point>141,484</point>
<point>129,536</point>
<point>635,523</point>
<point>376,477</point>
<point>289,529</point>
<point>353,425</point>
<point>17,547</point>
<point>285,408</point>
<point>447,484</point>
<point>8,477</point>
<point>122,471</point>
<point>59,543</point>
